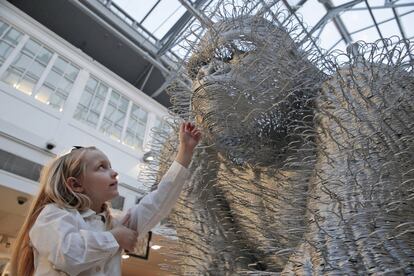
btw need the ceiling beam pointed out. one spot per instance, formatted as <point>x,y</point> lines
<point>149,12</point>
<point>385,6</point>
<point>308,35</point>
<point>400,27</point>
<point>168,74</point>
<point>339,24</point>
<point>373,19</point>
<point>332,13</point>
<point>193,9</point>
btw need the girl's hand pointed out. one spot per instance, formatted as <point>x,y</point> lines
<point>190,136</point>
<point>125,237</point>
<point>125,220</point>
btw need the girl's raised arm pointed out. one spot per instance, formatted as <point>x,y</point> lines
<point>157,205</point>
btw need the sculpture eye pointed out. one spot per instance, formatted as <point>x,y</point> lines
<point>226,52</point>
<point>244,46</point>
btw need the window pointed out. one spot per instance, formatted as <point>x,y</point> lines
<point>27,67</point>
<point>135,131</point>
<point>115,114</point>
<point>9,38</point>
<point>58,84</point>
<point>109,114</point>
<point>91,103</point>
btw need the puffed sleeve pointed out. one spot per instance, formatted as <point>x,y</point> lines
<point>157,205</point>
<point>56,234</point>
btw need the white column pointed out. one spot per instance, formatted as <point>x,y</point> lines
<point>44,74</point>
<point>13,54</point>
<point>147,138</point>
<point>105,104</point>
<point>127,115</point>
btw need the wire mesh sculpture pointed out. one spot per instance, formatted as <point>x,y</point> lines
<point>306,165</point>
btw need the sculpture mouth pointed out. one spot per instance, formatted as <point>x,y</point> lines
<point>209,85</point>
<point>240,132</point>
<point>232,107</point>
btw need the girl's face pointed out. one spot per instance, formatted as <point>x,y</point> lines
<point>99,182</point>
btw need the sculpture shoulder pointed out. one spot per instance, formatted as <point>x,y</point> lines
<point>379,85</point>
<point>369,72</point>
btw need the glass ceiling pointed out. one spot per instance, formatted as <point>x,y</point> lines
<point>335,23</point>
<point>157,16</point>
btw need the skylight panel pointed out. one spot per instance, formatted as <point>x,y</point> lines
<point>312,12</point>
<point>163,17</point>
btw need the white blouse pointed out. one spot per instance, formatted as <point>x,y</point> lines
<point>68,242</point>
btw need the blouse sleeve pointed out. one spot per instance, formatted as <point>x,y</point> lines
<point>55,234</point>
<point>157,205</point>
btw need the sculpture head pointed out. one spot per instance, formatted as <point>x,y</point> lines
<point>252,90</point>
<point>254,94</point>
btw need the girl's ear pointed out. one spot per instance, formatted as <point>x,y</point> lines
<point>74,184</point>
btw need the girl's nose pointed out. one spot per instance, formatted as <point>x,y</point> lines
<point>114,173</point>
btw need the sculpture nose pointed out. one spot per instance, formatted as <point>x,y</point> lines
<point>213,68</point>
<point>206,70</point>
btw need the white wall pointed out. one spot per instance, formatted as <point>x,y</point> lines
<point>26,125</point>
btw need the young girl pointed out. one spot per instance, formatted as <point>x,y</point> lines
<point>69,229</point>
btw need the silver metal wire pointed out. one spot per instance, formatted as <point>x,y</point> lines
<point>306,165</point>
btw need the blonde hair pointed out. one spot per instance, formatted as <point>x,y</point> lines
<point>53,189</point>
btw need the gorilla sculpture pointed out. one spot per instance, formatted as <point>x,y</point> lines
<point>306,165</point>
